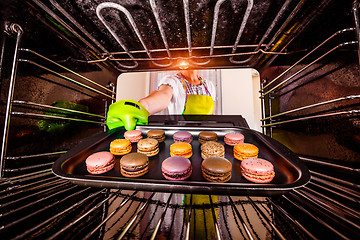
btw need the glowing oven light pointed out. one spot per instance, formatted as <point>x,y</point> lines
<point>183,64</point>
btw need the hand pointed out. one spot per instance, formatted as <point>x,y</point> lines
<point>127,113</point>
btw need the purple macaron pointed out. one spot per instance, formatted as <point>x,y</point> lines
<point>176,168</point>
<point>182,136</point>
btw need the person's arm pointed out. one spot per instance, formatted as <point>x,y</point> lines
<point>157,100</point>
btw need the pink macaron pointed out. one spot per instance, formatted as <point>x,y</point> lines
<point>100,162</point>
<point>257,170</point>
<point>234,138</point>
<point>176,168</point>
<point>133,135</point>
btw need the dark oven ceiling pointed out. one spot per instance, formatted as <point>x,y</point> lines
<point>133,35</point>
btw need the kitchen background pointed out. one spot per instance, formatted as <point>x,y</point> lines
<point>237,90</point>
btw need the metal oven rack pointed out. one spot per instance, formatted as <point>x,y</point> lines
<point>30,191</point>
<point>269,88</point>
<point>85,117</point>
<point>35,204</point>
<point>330,196</point>
<point>254,52</point>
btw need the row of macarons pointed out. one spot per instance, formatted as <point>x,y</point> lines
<point>178,168</point>
<point>181,146</point>
<point>230,139</point>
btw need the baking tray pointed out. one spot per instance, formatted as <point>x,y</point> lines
<point>290,172</point>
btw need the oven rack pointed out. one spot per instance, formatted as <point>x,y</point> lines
<point>84,33</point>
<point>85,86</point>
<point>249,217</point>
<point>342,44</point>
<point>34,110</point>
<point>190,48</point>
<point>56,109</point>
<point>274,31</point>
<point>272,89</point>
<point>355,14</point>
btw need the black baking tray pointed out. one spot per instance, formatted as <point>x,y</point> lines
<point>290,172</point>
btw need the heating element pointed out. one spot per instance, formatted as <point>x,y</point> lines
<point>309,92</point>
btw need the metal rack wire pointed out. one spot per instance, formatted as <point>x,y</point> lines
<point>231,51</point>
<point>102,54</point>
<point>136,207</point>
<point>189,48</point>
<point>268,88</point>
<point>330,199</point>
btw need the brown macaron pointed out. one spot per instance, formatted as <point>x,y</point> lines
<point>216,169</point>
<point>207,136</point>
<point>148,146</point>
<point>212,149</point>
<point>134,165</point>
<point>157,134</point>
<point>243,151</point>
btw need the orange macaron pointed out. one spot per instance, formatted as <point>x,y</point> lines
<point>120,146</point>
<point>181,149</point>
<point>245,150</point>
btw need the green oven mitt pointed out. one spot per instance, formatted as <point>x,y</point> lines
<point>126,113</point>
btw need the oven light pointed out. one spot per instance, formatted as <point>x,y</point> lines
<point>183,64</point>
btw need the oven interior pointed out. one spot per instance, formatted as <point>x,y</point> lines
<point>58,68</point>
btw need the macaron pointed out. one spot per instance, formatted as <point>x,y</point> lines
<point>176,168</point>
<point>216,169</point>
<point>182,136</point>
<point>257,170</point>
<point>182,149</point>
<point>245,150</point>
<point>157,134</point>
<point>120,147</point>
<point>207,136</point>
<point>134,165</point>
<point>100,162</point>
<point>148,146</point>
<point>212,149</point>
<point>133,135</point>
<point>234,138</point>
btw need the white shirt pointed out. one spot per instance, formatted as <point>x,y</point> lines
<point>177,101</point>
